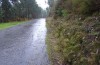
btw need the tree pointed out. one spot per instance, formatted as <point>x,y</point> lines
<point>19,10</point>
<point>6,8</point>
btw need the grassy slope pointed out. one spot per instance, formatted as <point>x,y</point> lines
<point>74,42</point>
<point>9,24</point>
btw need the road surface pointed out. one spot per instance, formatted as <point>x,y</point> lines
<point>24,44</point>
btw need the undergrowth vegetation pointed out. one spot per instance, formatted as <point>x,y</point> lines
<point>74,33</point>
<point>74,42</point>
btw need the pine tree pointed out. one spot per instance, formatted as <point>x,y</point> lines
<point>6,8</point>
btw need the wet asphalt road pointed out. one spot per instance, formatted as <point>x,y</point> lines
<point>24,44</point>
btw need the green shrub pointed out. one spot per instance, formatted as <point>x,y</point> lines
<point>80,7</point>
<point>58,12</point>
<point>64,13</point>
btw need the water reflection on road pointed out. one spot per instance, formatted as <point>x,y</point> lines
<point>24,44</point>
<point>38,47</point>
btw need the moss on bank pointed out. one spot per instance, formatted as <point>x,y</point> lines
<point>74,41</point>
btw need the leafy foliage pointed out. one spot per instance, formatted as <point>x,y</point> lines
<point>84,7</point>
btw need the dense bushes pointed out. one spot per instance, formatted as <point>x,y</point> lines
<point>84,7</point>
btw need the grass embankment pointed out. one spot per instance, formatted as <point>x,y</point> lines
<point>9,24</point>
<point>74,41</point>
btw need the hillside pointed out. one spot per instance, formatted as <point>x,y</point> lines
<point>74,33</point>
